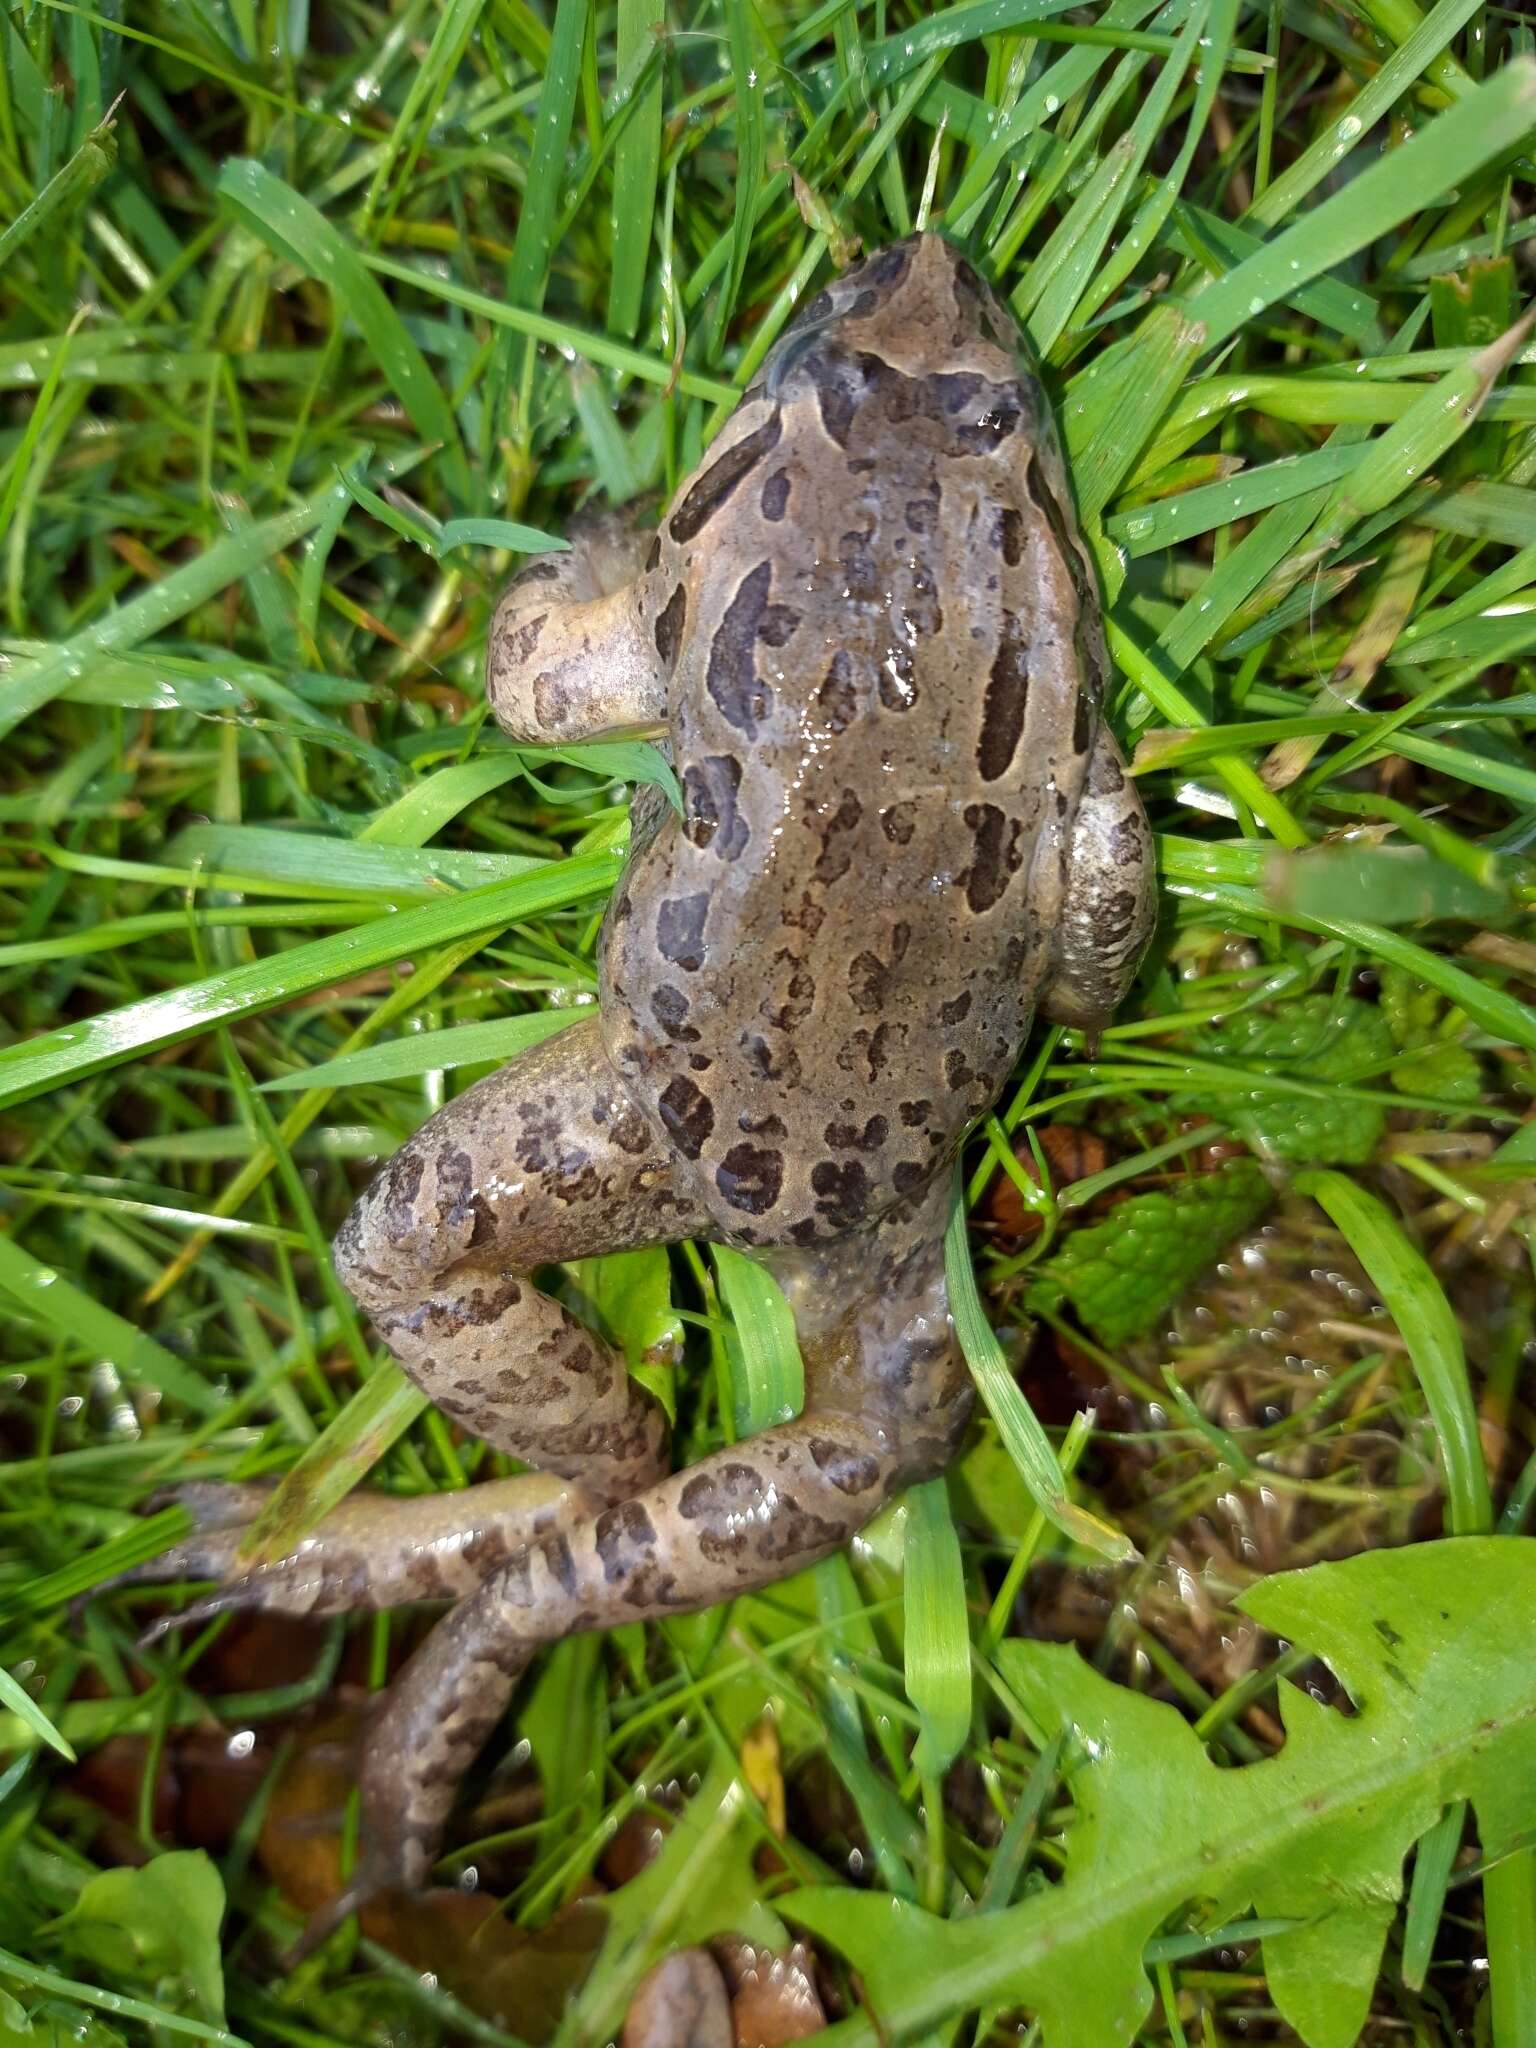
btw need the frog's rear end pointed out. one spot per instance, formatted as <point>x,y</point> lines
<point>883,705</point>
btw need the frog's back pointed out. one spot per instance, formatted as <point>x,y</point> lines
<point>881,718</point>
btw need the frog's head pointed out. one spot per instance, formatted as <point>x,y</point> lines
<point>917,303</point>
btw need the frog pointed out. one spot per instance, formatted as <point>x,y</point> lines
<point>867,637</point>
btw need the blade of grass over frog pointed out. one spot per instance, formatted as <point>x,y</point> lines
<point>346,1450</point>
<point>773,1376</point>
<point>344,867</point>
<point>436,800</point>
<point>1416,1302</point>
<point>936,1654</point>
<point>57,1057</point>
<point>432,1052</point>
<point>88,1326</point>
<point>1371,102</point>
<point>299,232</point>
<point>21,1703</point>
<point>1438,159</point>
<point>1026,1442</point>
<point>159,606</point>
<point>496,533</point>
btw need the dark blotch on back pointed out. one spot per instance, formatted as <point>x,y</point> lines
<point>714,819</point>
<point>838,383</point>
<point>669,626</point>
<point>837,700</point>
<point>731,676</point>
<point>680,930</point>
<point>721,479</point>
<point>750,1178</point>
<point>669,1006</point>
<point>1002,710</point>
<point>1009,534</point>
<point>688,1114</point>
<point>776,495</point>
<point>889,267</point>
<point>996,857</point>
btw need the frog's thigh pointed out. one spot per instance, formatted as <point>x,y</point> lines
<point>544,1162</point>
<point>740,1519</point>
<point>579,645</point>
<point>1111,897</point>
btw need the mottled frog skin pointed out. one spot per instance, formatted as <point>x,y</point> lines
<point>867,633</point>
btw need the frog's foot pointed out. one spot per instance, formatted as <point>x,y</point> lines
<point>372,1551</point>
<point>581,641</point>
<point>1111,898</point>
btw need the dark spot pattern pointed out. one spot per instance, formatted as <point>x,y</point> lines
<point>839,387</point>
<point>849,1137</point>
<point>713,816</point>
<point>841,1188</point>
<point>680,930</point>
<point>957,1009</point>
<point>996,858</point>
<point>721,479</point>
<point>669,1006</point>
<point>731,675</point>
<point>751,1178</point>
<point>1002,710</point>
<point>670,624</point>
<point>625,1538</point>
<point>869,975</point>
<point>837,700</point>
<point>836,856</point>
<point>849,1469</point>
<point>897,823</point>
<point>775,499</point>
<point>1009,534</point>
<point>688,1114</point>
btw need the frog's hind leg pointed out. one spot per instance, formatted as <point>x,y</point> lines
<point>544,1162</point>
<point>887,1398</point>
<point>581,642</point>
<point>1110,904</point>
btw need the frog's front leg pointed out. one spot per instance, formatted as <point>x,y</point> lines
<point>1110,903</point>
<point>582,640</point>
<point>887,1396</point>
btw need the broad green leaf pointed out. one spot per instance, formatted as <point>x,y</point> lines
<point>1314,1041</point>
<point>1430,1642</point>
<point>1122,1275</point>
<point>157,1924</point>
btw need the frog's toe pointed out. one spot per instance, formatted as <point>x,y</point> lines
<point>213,1503</point>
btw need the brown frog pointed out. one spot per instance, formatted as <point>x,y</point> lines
<point>867,632</point>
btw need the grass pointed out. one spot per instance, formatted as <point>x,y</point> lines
<point>313,321</point>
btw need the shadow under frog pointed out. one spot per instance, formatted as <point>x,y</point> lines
<point>868,634</point>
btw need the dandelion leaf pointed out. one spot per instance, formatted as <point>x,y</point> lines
<point>1430,1644</point>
